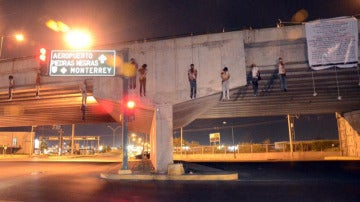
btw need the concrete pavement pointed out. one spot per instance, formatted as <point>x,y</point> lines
<point>138,169</point>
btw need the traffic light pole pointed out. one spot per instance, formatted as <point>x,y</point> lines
<point>125,126</point>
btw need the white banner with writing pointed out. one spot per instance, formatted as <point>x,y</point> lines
<point>332,43</point>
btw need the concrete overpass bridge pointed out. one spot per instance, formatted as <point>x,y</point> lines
<point>167,105</point>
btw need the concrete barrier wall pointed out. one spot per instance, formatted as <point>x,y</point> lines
<point>169,60</point>
<point>265,46</point>
<point>23,71</point>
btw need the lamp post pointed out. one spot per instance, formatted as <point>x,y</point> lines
<point>18,37</point>
<point>232,135</point>
<point>113,130</point>
<point>1,45</point>
<point>291,128</point>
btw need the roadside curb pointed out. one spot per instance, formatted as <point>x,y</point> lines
<point>186,177</point>
<point>349,158</point>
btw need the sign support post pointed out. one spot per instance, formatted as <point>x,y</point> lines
<point>125,127</point>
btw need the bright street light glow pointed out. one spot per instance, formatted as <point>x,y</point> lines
<point>130,104</point>
<point>91,100</point>
<point>37,143</point>
<point>77,39</point>
<point>57,26</point>
<point>19,37</point>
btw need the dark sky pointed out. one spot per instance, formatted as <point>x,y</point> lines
<point>112,21</point>
<point>259,129</point>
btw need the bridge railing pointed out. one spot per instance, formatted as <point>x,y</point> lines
<point>299,146</point>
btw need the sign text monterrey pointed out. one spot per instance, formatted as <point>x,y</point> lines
<point>82,63</point>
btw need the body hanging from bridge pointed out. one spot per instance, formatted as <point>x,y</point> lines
<point>11,86</point>
<point>255,74</point>
<point>132,79</point>
<point>282,74</point>
<point>225,76</point>
<point>192,75</point>
<point>37,84</point>
<point>142,79</point>
<point>83,110</point>
<point>83,90</point>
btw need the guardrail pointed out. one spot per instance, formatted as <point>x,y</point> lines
<point>254,152</point>
<point>303,146</point>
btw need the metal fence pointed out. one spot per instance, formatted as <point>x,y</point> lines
<point>303,146</point>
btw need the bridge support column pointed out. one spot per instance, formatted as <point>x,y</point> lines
<point>161,138</point>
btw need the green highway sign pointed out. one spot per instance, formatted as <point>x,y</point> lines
<point>82,63</point>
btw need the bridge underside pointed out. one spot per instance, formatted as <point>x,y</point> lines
<point>57,105</point>
<point>60,104</point>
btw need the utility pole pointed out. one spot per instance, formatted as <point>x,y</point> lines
<point>1,45</point>
<point>32,136</point>
<point>72,138</point>
<point>125,125</point>
<point>181,141</point>
<point>233,140</point>
<point>113,130</point>
<point>60,141</point>
<point>291,128</point>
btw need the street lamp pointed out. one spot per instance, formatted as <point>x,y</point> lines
<point>18,37</point>
<point>113,130</point>
<point>78,39</point>
<point>281,23</point>
<point>232,135</point>
<point>133,137</point>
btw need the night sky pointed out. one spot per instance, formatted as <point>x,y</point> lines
<point>259,129</point>
<point>113,21</point>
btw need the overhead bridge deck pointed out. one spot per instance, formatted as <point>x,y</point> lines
<point>309,92</point>
<point>60,102</point>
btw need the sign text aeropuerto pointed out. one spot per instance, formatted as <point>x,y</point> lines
<point>82,63</point>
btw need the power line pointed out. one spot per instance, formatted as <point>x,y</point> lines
<point>231,126</point>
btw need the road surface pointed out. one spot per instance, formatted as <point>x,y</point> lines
<point>278,181</point>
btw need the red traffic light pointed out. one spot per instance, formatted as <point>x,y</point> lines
<point>42,55</point>
<point>130,110</point>
<point>130,104</point>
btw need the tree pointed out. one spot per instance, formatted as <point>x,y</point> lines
<point>194,144</point>
<point>43,146</point>
<point>177,143</point>
<point>267,141</point>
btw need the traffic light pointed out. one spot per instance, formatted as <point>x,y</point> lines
<point>130,110</point>
<point>43,61</point>
<point>42,56</point>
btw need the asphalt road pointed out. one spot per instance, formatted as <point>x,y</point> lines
<point>80,181</point>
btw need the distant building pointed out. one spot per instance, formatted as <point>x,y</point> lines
<point>16,142</point>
